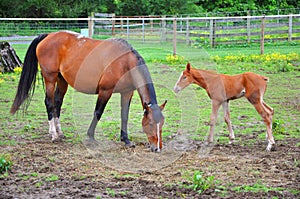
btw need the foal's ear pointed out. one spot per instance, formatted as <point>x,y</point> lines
<point>188,66</point>
<point>161,107</point>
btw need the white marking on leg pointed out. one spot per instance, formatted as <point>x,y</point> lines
<point>158,137</point>
<point>58,126</point>
<point>52,129</point>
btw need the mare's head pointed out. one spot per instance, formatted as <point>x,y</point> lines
<point>152,123</point>
<point>184,79</point>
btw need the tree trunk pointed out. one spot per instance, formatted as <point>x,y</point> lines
<point>8,58</point>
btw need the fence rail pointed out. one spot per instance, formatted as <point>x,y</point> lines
<point>202,31</point>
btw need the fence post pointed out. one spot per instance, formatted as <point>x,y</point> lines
<point>262,36</point>
<point>174,36</point>
<point>248,28</point>
<point>163,29</point>
<point>91,25</point>
<point>143,29</point>
<point>290,28</point>
<point>113,25</point>
<point>212,33</point>
<point>127,32</point>
<point>187,36</point>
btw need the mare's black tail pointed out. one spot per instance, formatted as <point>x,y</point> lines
<point>28,76</point>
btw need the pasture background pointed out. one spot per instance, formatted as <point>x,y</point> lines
<point>23,136</point>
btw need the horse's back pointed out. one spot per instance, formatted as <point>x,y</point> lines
<point>81,61</point>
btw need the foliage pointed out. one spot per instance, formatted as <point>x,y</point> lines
<point>174,59</point>
<point>5,163</point>
<point>79,8</point>
<point>201,183</point>
<point>257,187</point>
<point>274,62</point>
<point>278,127</point>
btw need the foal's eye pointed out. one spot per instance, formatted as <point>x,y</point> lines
<point>184,77</point>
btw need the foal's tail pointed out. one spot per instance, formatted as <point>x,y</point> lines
<point>28,76</point>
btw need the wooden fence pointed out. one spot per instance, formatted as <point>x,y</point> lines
<point>198,31</point>
<point>204,31</point>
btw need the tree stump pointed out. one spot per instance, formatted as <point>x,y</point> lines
<point>8,58</point>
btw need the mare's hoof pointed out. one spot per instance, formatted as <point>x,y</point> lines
<point>91,142</point>
<point>56,139</point>
<point>130,145</point>
<point>62,136</point>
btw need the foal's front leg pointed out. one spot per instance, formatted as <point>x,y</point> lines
<point>213,119</point>
<point>228,121</point>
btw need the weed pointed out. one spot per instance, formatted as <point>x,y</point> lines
<point>52,178</point>
<point>201,183</point>
<point>5,163</point>
<point>257,187</point>
<point>111,192</point>
<point>278,127</point>
<point>38,184</point>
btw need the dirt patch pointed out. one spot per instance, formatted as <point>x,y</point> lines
<point>43,169</point>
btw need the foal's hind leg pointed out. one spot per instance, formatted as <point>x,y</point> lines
<point>61,89</point>
<point>125,103</point>
<point>228,121</point>
<point>267,115</point>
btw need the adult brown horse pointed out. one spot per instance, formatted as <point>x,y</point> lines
<point>90,66</point>
<point>223,88</point>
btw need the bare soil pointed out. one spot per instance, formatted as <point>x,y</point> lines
<point>42,169</point>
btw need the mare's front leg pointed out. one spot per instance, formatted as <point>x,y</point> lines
<point>228,121</point>
<point>213,119</point>
<point>61,89</point>
<point>103,98</point>
<point>125,104</point>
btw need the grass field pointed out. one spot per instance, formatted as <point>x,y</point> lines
<point>186,114</point>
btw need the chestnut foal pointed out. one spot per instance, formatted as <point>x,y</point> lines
<point>222,88</point>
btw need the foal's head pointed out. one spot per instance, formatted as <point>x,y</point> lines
<point>184,80</point>
<point>152,123</point>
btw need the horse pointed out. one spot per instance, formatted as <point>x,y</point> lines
<point>90,66</point>
<point>222,88</point>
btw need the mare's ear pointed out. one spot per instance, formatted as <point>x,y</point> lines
<point>161,107</point>
<point>188,66</point>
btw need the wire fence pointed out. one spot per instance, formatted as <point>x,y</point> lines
<point>198,31</point>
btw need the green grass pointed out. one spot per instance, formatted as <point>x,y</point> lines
<point>189,111</point>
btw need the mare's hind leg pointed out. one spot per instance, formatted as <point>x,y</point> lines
<point>267,117</point>
<point>103,98</point>
<point>61,89</point>
<point>125,104</point>
<point>228,121</point>
<point>50,81</point>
